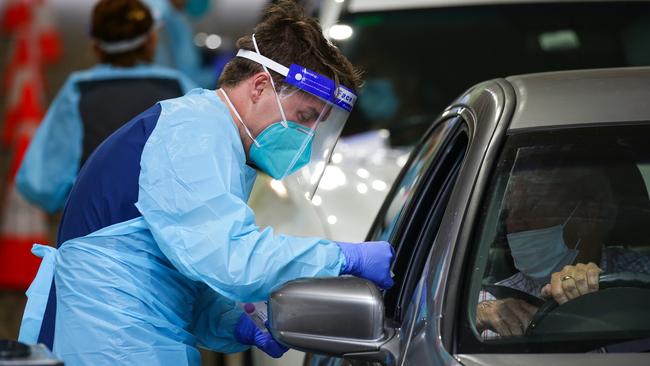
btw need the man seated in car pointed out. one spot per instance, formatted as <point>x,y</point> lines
<point>557,221</point>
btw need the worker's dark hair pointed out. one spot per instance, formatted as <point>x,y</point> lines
<point>287,36</point>
<point>118,20</point>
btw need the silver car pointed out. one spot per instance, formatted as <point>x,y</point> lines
<point>559,159</point>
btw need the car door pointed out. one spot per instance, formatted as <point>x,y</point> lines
<point>428,275</point>
<point>416,201</point>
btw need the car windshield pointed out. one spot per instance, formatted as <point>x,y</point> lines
<point>562,256</point>
<point>417,61</point>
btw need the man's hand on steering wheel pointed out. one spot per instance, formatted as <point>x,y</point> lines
<point>572,282</point>
<point>508,317</point>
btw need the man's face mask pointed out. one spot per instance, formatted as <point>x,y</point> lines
<point>281,148</point>
<point>540,253</point>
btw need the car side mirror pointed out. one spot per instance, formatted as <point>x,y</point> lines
<point>340,316</point>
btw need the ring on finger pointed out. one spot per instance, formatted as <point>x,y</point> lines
<point>567,277</point>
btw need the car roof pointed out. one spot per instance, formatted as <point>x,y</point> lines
<point>566,98</point>
<point>355,6</point>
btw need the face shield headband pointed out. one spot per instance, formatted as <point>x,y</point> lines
<point>307,80</point>
<point>126,45</point>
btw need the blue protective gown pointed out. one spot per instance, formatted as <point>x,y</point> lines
<point>158,241</point>
<point>53,158</point>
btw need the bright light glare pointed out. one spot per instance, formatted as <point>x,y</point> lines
<point>363,173</point>
<point>339,1</point>
<point>331,219</point>
<point>319,169</point>
<point>337,158</point>
<point>362,188</point>
<point>199,39</point>
<point>317,200</point>
<point>279,188</point>
<point>213,41</point>
<point>379,185</point>
<point>332,178</point>
<point>340,32</point>
<point>401,161</point>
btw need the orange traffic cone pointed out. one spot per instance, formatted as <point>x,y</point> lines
<point>17,13</point>
<point>24,102</point>
<point>22,224</point>
<point>49,39</point>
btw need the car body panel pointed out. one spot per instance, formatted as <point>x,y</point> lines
<point>560,99</point>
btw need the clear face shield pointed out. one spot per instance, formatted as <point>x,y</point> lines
<point>325,129</point>
<point>314,111</point>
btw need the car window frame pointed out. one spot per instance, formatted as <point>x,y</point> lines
<point>488,108</point>
<point>434,212</point>
<point>406,216</point>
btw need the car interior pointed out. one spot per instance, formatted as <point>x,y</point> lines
<point>551,178</point>
<point>630,229</point>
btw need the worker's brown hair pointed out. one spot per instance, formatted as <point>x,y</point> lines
<point>118,20</point>
<point>287,36</point>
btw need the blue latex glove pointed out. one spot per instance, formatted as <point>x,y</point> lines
<point>370,260</point>
<point>246,332</point>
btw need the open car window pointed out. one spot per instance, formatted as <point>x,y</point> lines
<point>560,200</point>
<point>404,188</point>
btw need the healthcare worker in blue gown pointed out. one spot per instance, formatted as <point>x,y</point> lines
<point>94,103</point>
<point>176,47</point>
<point>157,243</point>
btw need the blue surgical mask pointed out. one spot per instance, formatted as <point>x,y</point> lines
<point>279,151</point>
<point>540,253</point>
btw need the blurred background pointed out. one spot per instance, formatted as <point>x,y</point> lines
<point>417,55</point>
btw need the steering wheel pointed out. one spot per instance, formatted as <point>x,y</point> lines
<point>627,292</point>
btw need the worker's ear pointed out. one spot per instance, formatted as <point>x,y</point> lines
<point>259,83</point>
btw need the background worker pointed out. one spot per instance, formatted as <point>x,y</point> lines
<point>94,103</point>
